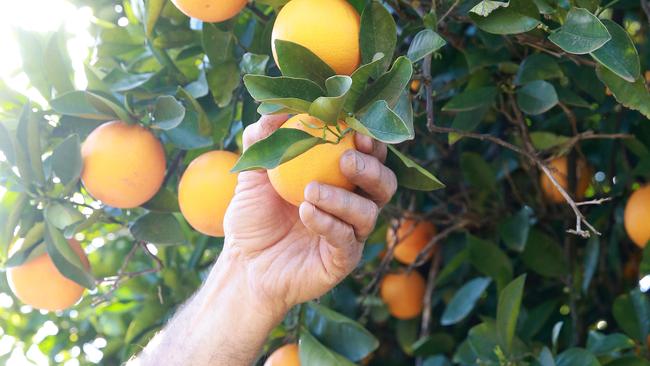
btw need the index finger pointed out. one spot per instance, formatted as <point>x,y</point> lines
<point>261,129</point>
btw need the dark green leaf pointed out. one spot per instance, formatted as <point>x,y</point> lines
<point>66,160</point>
<point>545,357</point>
<point>153,10</point>
<point>378,34</point>
<point>625,315</point>
<point>296,94</point>
<point>591,262</point>
<point>108,107</point>
<point>543,255</point>
<point>223,80</point>
<point>632,95</point>
<point>538,66</point>
<point>424,43</point>
<point>434,344</point>
<point>477,171</point>
<point>519,17</point>
<point>537,97</point>
<point>388,87</point>
<point>281,146</point>
<point>218,44</point>
<point>581,33</point>
<point>312,352</point>
<point>464,301</point>
<point>360,79</point>
<point>381,123</point>
<point>339,333</point>
<point>471,99</point>
<point>488,259</point>
<point>30,248</point>
<point>508,312</point>
<point>297,61</point>
<point>601,344</point>
<point>410,174</point>
<point>200,117</point>
<point>252,63</point>
<point>76,104</point>
<point>576,356</point>
<point>158,228</point>
<point>514,229</point>
<point>61,215</point>
<point>619,55</point>
<point>164,201</point>
<point>544,140</point>
<point>186,136</point>
<point>168,113</point>
<point>57,66</point>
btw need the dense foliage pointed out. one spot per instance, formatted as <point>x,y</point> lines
<point>483,94</point>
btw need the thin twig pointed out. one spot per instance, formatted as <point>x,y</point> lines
<point>423,256</point>
<point>645,5</point>
<point>425,325</point>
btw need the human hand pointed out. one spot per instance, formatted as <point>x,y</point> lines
<point>288,255</point>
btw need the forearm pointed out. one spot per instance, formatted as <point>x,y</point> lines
<point>222,324</point>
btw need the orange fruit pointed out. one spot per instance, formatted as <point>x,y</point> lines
<point>637,216</point>
<point>412,237</point>
<point>206,189</point>
<point>328,28</point>
<point>647,76</point>
<point>210,10</point>
<point>404,294</point>
<point>415,85</point>
<point>559,168</point>
<point>39,283</point>
<point>320,163</point>
<point>286,355</point>
<point>123,165</point>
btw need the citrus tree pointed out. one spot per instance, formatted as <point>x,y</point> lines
<point>518,130</point>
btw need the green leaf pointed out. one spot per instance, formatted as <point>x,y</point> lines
<point>434,344</point>
<point>57,65</point>
<point>29,137</point>
<point>632,95</point>
<point>153,10</point>
<point>223,80</point>
<point>488,259</point>
<point>168,113</point>
<point>378,34</point>
<point>644,266</point>
<point>339,333</point>
<point>218,44</point>
<point>65,259</point>
<point>281,146</point>
<point>297,61</point>
<point>602,344</point>
<point>7,145</point>
<point>641,306</point>
<point>464,301</point>
<point>108,107</point>
<point>537,97</point>
<point>629,361</point>
<point>619,55</point>
<point>150,316</point>
<point>538,66</point>
<point>312,352</point>
<point>477,171</point>
<point>424,43</point>
<point>388,87</point>
<point>576,356</point>
<point>360,79</point>
<point>30,248</point>
<point>293,93</point>
<point>187,136</point>
<point>514,229</point>
<point>625,315</point>
<point>581,33</point>
<point>543,255</point>
<point>76,104</point>
<point>410,174</point>
<point>519,17</point>
<point>252,63</point>
<point>164,201</point>
<point>66,160</point>
<point>200,117</point>
<point>508,312</point>
<point>158,228</point>
<point>61,215</point>
<point>471,99</point>
<point>381,123</point>
<point>328,109</point>
<point>121,81</point>
<point>467,121</point>
<point>545,357</point>
<point>544,140</point>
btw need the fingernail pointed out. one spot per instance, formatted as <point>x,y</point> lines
<point>323,192</point>
<point>312,192</point>
<point>359,163</point>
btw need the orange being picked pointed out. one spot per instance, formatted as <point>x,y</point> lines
<point>637,216</point>
<point>328,28</point>
<point>412,237</point>
<point>403,294</point>
<point>123,164</point>
<point>206,189</point>
<point>559,168</point>
<point>210,10</point>
<point>320,163</point>
<point>286,355</point>
<point>39,283</point>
